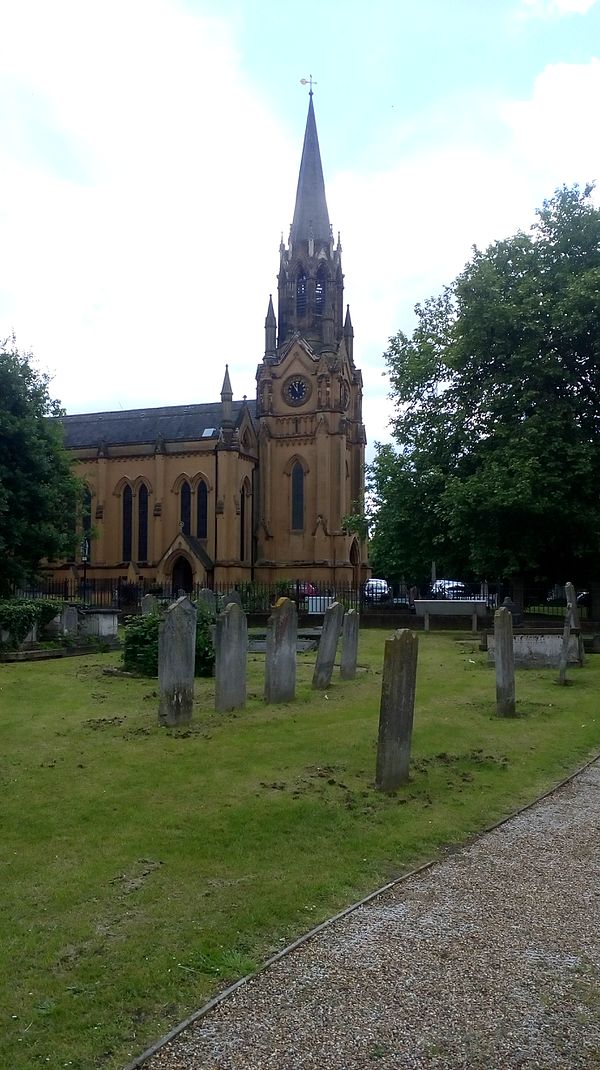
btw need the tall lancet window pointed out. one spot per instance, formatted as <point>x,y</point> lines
<point>142,523</point>
<point>297,497</point>
<point>127,506</point>
<point>321,291</point>
<point>301,293</point>
<point>185,513</point>
<point>202,510</point>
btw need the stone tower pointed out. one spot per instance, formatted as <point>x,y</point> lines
<point>309,402</point>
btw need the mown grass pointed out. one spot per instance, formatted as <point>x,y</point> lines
<point>146,867</point>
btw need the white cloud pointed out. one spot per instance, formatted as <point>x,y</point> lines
<point>555,8</point>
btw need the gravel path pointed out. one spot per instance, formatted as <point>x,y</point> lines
<point>491,959</point>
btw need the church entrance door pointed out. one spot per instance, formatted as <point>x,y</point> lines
<point>182,577</point>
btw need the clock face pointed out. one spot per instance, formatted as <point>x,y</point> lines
<point>296,390</point>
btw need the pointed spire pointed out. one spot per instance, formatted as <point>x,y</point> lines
<point>311,218</point>
<point>349,335</point>
<point>226,391</point>
<point>270,330</point>
<point>226,401</point>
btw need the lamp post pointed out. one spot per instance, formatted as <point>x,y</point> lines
<point>85,558</point>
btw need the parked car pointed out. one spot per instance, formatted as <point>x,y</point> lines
<point>376,590</point>
<point>449,589</point>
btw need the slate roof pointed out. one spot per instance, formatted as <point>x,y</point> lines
<point>173,423</point>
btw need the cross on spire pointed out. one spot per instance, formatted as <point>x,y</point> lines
<point>309,82</point>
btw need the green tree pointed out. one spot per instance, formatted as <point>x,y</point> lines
<point>39,495</point>
<point>498,410</point>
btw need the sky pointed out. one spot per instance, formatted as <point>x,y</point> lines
<point>149,154</point>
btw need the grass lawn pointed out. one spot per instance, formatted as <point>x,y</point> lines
<point>144,867</point>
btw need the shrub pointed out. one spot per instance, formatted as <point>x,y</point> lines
<point>140,648</point>
<point>19,615</point>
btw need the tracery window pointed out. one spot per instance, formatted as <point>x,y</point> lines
<point>320,291</point>
<point>185,514</point>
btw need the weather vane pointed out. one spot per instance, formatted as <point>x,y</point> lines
<point>309,82</point>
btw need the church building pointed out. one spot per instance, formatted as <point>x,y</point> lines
<point>233,491</point>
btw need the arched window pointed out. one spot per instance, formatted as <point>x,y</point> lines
<point>185,514</point>
<point>297,497</point>
<point>202,510</point>
<point>301,293</point>
<point>243,524</point>
<point>142,523</point>
<point>320,291</point>
<point>127,506</point>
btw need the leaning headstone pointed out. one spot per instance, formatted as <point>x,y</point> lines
<point>176,657</point>
<point>566,638</point>
<point>231,653</point>
<point>208,600</point>
<point>332,623</point>
<point>280,658</point>
<point>349,645</point>
<point>69,620</point>
<point>505,663</point>
<point>572,601</point>
<point>396,712</point>
<point>149,605</point>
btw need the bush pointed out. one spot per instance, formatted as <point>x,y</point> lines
<point>140,649</point>
<point>19,615</point>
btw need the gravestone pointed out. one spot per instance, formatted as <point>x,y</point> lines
<point>230,598</point>
<point>149,605</point>
<point>396,710</point>
<point>280,659</point>
<point>176,657</point>
<point>349,645</point>
<point>332,623</point>
<point>505,663</point>
<point>69,621</point>
<point>231,653</point>
<point>564,653</point>
<point>572,601</point>
<point>208,600</point>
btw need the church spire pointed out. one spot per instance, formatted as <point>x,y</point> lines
<point>311,218</point>
<point>226,400</point>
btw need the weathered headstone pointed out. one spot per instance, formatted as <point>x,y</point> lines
<point>332,623</point>
<point>208,600</point>
<point>505,663</point>
<point>571,597</point>
<point>230,598</point>
<point>176,657</point>
<point>149,605</point>
<point>396,711</point>
<point>231,653</point>
<point>69,621</point>
<point>349,645</point>
<point>280,657</point>
<point>564,653</point>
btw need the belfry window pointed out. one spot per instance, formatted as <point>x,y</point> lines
<point>320,291</point>
<point>301,293</point>
<point>297,497</point>
<point>142,523</point>
<point>202,510</point>
<point>185,514</point>
<point>127,507</point>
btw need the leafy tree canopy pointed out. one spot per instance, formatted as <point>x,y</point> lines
<point>39,494</point>
<point>497,413</point>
